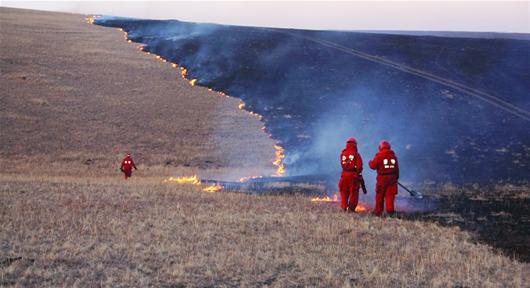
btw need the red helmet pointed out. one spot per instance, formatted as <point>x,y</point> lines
<point>384,145</point>
<point>351,140</point>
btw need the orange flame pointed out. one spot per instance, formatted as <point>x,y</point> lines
<point>278,160</point>
<point>213,188</point>
<point>90,19</point>
<point>335,199</point>
<point>259,117</point>
<point>361,208</point>
<point>174,65</point>
<point>183,72</point>
<point>193,180</point>
<point>241,105</point>
<point>193,81</point>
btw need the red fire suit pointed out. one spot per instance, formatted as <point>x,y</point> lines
<point>126,166</point>
<point>386,164</point>
<point>352,166</point>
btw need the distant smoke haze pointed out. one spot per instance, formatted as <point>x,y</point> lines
<point>475,16</point>
<point>316,88</point>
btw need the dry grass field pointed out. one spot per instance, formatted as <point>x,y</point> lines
<point>75,97</point>
<point>88,232</point>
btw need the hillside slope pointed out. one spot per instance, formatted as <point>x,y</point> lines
<point>76,97</point>
<point>455,109</point>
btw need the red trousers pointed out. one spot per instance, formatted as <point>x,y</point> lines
<point>127,172</point>
<point>349,190</point>
<point>385,191</point>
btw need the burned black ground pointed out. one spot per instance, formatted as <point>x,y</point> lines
<point>495,216</point>
<point>455,109</point>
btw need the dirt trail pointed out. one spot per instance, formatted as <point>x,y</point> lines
<point>76,96</point>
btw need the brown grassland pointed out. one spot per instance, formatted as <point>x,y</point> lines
<point>104,231</point>
<point>77,93</point>
<point>75,97</point>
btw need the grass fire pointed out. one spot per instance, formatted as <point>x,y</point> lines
<point>194,180</point>
<point>208,155</point>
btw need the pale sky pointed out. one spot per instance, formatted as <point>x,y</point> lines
<point>426,15</point>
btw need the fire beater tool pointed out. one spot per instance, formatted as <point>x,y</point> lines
<point>412,193</point>
<point>363,186</point>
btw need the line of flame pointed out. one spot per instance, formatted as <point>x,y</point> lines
<point>335,199</point>
<point>213,188</point>
<point>279,154</point>
<point>278,150</point>
<point>194,180</point>
<point>278,160</point>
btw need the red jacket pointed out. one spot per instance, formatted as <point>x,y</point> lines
<point>385,162</point>
<point>127,163</point>
<point>351,160</point>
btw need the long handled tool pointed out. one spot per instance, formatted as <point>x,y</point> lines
<point>363,185</point>
<point>412,193</point>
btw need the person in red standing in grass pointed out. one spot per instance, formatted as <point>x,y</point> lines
<point>126,166</point>
<point>386,164</point>
<point>352,166</point>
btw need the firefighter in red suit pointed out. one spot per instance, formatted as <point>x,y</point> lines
<point>126,166</point>
<point>352,166</point>
<point>386,164</point>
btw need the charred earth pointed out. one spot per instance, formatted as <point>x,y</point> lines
<point>454,108</point>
